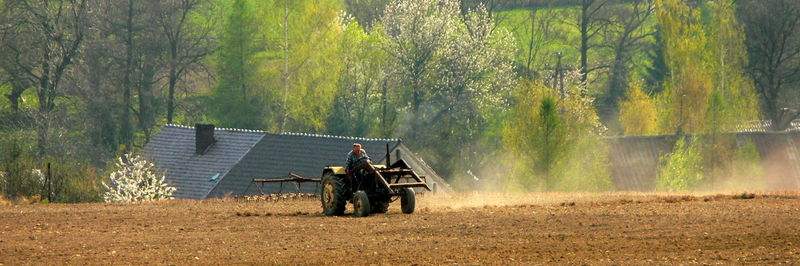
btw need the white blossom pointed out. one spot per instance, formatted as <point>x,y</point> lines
<point>136,180</point>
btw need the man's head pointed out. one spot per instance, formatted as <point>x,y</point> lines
<point>357,148</point>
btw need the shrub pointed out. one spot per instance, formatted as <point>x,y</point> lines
<point>74,181</point>
<point>136,180</point>
<point>682,169</point>
<point>553,138</point>
<point>638,112</point>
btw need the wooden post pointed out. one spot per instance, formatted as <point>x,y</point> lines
<point>49,181</point>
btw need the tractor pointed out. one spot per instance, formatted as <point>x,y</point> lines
<point>370,187</point>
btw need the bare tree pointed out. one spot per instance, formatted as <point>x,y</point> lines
<point>628,34</point>
<point>539,24</point>
<point>773,43</point>
<point>591,21</point>
<point>188,44</point>
<point>49,35</point>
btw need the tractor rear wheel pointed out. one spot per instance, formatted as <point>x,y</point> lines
<point>379,206</point>
<point>332,194</point>
<point>407,200</point>
<point>361,204</point>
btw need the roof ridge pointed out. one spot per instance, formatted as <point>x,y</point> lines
<point>335,136</point>
<point>221,128</point>
<point>291,133</point>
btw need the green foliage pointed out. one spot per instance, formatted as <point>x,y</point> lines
<point>363,104</point>
<point>17,175</point>
<point>689,86</point>
<point>682,169</point>
<point>313,41</point>
<point>747,170</point>
<point>638,114</point>
<point>72,180</point>
<point>538,135</point>
<point>238,98</point>
<point>554,140</point>
<point>729,58</point>
<point>451,69</point>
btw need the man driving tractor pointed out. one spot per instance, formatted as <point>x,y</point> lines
<point>356,157</point>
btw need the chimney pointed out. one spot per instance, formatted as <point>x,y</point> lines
<point>203,137</point>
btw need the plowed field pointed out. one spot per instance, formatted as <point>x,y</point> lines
<point>547,228</point>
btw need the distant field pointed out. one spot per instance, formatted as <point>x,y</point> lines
<point>473,228</point>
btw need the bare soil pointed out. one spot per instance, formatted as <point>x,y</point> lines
<point>472,228</point>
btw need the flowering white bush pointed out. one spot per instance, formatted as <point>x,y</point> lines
<point>136,180</point>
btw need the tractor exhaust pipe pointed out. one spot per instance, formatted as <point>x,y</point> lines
<point>388,156</point>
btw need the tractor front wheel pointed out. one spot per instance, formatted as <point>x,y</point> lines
<point>361,204</point>
<point>332,194</point>
<point>407,200</point>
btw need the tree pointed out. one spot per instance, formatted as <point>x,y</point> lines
<point>686,92</point>
<point>188,44</point>
<point>554,137</point>
<point>50,36</point>
<point>453,72</point>
<point>415,32</point>
<point>363,102</point>
<point>682,169</point>
<point>304,57</point>
<point>540,28</point>
<point>136,179</point>
<point>592,21</point>
<point>538,135</point>
<point>237,100</point>
<point>773,45</point>
<point>629,32</point>
<point>638,114</point>
<point>729,60</point>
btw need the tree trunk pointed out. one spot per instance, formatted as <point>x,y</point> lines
<point>126,132</point>
<point>584,29</point>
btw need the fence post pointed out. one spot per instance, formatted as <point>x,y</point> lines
<point>49,184</point>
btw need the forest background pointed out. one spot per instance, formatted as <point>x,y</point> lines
<point>515,93</point>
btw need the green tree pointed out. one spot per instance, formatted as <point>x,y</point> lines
<point>638,114</point>
<point>304,60</point>
<point>682,169</point>
<point>453,71</point>
<point>537,135</point>
<point>687,90</point>
<point>238,100</point>
<point>729,58</point>
<point>363,105</point>
<point>554,139</point>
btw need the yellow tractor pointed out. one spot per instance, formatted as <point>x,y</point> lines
<point>370,187</point>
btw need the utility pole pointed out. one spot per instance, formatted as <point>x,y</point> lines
<point>560,75</point>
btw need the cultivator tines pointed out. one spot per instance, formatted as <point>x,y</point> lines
<point>295,179</point>
<point>278,197</point>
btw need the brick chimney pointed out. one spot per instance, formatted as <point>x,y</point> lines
<point>203,138</point>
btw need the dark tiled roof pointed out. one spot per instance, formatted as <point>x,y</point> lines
<point>764,126</point>
<point>173,150</point>
<point>634,159</point>
<point>241,155</point>
<point>306,155</point>
<point>303,154</point>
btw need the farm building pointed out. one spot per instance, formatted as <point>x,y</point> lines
<point>634,159</point>
<point>208,162</point>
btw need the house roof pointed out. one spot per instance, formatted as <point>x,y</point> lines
<point>241,155</point>
<point>765,126</point>
<point>635,159</point>
<point>173,150</point>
